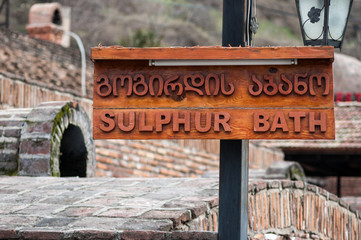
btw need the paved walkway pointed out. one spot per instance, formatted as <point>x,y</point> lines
<point>165,209</point>
<point>106,208</point>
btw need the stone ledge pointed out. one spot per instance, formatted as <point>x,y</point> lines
<point>106,235</point>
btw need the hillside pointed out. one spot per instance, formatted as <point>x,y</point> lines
<point>180,22</point>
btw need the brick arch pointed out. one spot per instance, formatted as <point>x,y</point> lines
<point>41,135</point>
<point>295,209</point>
<point>42,13</point>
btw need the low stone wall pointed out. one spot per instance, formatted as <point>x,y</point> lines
<point>293,208</point>
<point>19,92</point>
<point>32,140</point>
<point>11,123</point>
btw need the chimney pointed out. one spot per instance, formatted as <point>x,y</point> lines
<point>46,22</point>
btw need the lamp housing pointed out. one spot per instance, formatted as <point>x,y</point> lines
<point>323,22</point>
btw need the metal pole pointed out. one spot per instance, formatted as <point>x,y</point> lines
<point>325,36</point>
<point>83,60</point>
<point>233,172</point>
<point>233,23</point>
<point>233,190</point>
<point>339,186</point>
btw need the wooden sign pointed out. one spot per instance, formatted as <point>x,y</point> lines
<point>213,93</point>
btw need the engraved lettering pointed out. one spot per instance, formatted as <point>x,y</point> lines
<point>160,85</point>
<point>271,85</point>
<point>288,83</point>
<point>279,122</point>
<point>260,122</point>
<point>107,117</point>
<point>321,122</point>
<point>162,119</point>
<point>222,119</point>
<point>122,84</point>
<point>251,88</point>
<point>185,120</point>
<point>223,87</point>
<point>300,87</point>
<point>194,83</point>
<point>207,122</point>
<point>143,127</point>
<point>131,121</point>
<point>104,84</point>
<point>297,120</point>
<point>173,86</point>
<point>208,87</point>
<point>140,84</point>
<point>174,121</point>
<point>318,79</point>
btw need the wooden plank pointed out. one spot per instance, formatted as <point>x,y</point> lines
<point>123,53</point>
<point>275,82</point>
<point>213,123</point>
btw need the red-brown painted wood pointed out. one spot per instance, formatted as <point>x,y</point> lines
<point>133,100</point>
<point>123,53</point>
<point>219,124</point>
<point>285,91</point>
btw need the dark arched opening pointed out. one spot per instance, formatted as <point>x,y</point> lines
<point>56,19</point>
<point>73,153</point>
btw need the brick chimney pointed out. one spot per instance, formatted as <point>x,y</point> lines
<point>46,22</point>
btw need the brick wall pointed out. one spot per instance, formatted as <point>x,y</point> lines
<point>350,186</point>
<point>261,157</point>
<point>164,158</point>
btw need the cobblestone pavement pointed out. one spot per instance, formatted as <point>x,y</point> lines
<point>104,208</point>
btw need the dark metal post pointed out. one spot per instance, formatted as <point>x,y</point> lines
<point>233,190</point>
<point>233,23</point>
<point>339,186</point>
<point>233,172</point>
<point>325,32</point>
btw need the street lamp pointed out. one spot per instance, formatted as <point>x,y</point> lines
<point>323,22</point>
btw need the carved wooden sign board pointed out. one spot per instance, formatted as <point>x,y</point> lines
<point>213,93</point>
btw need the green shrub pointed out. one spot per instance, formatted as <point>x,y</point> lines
<point>142,38</point>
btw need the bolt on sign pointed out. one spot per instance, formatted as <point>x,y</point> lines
<point>213,93</point>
